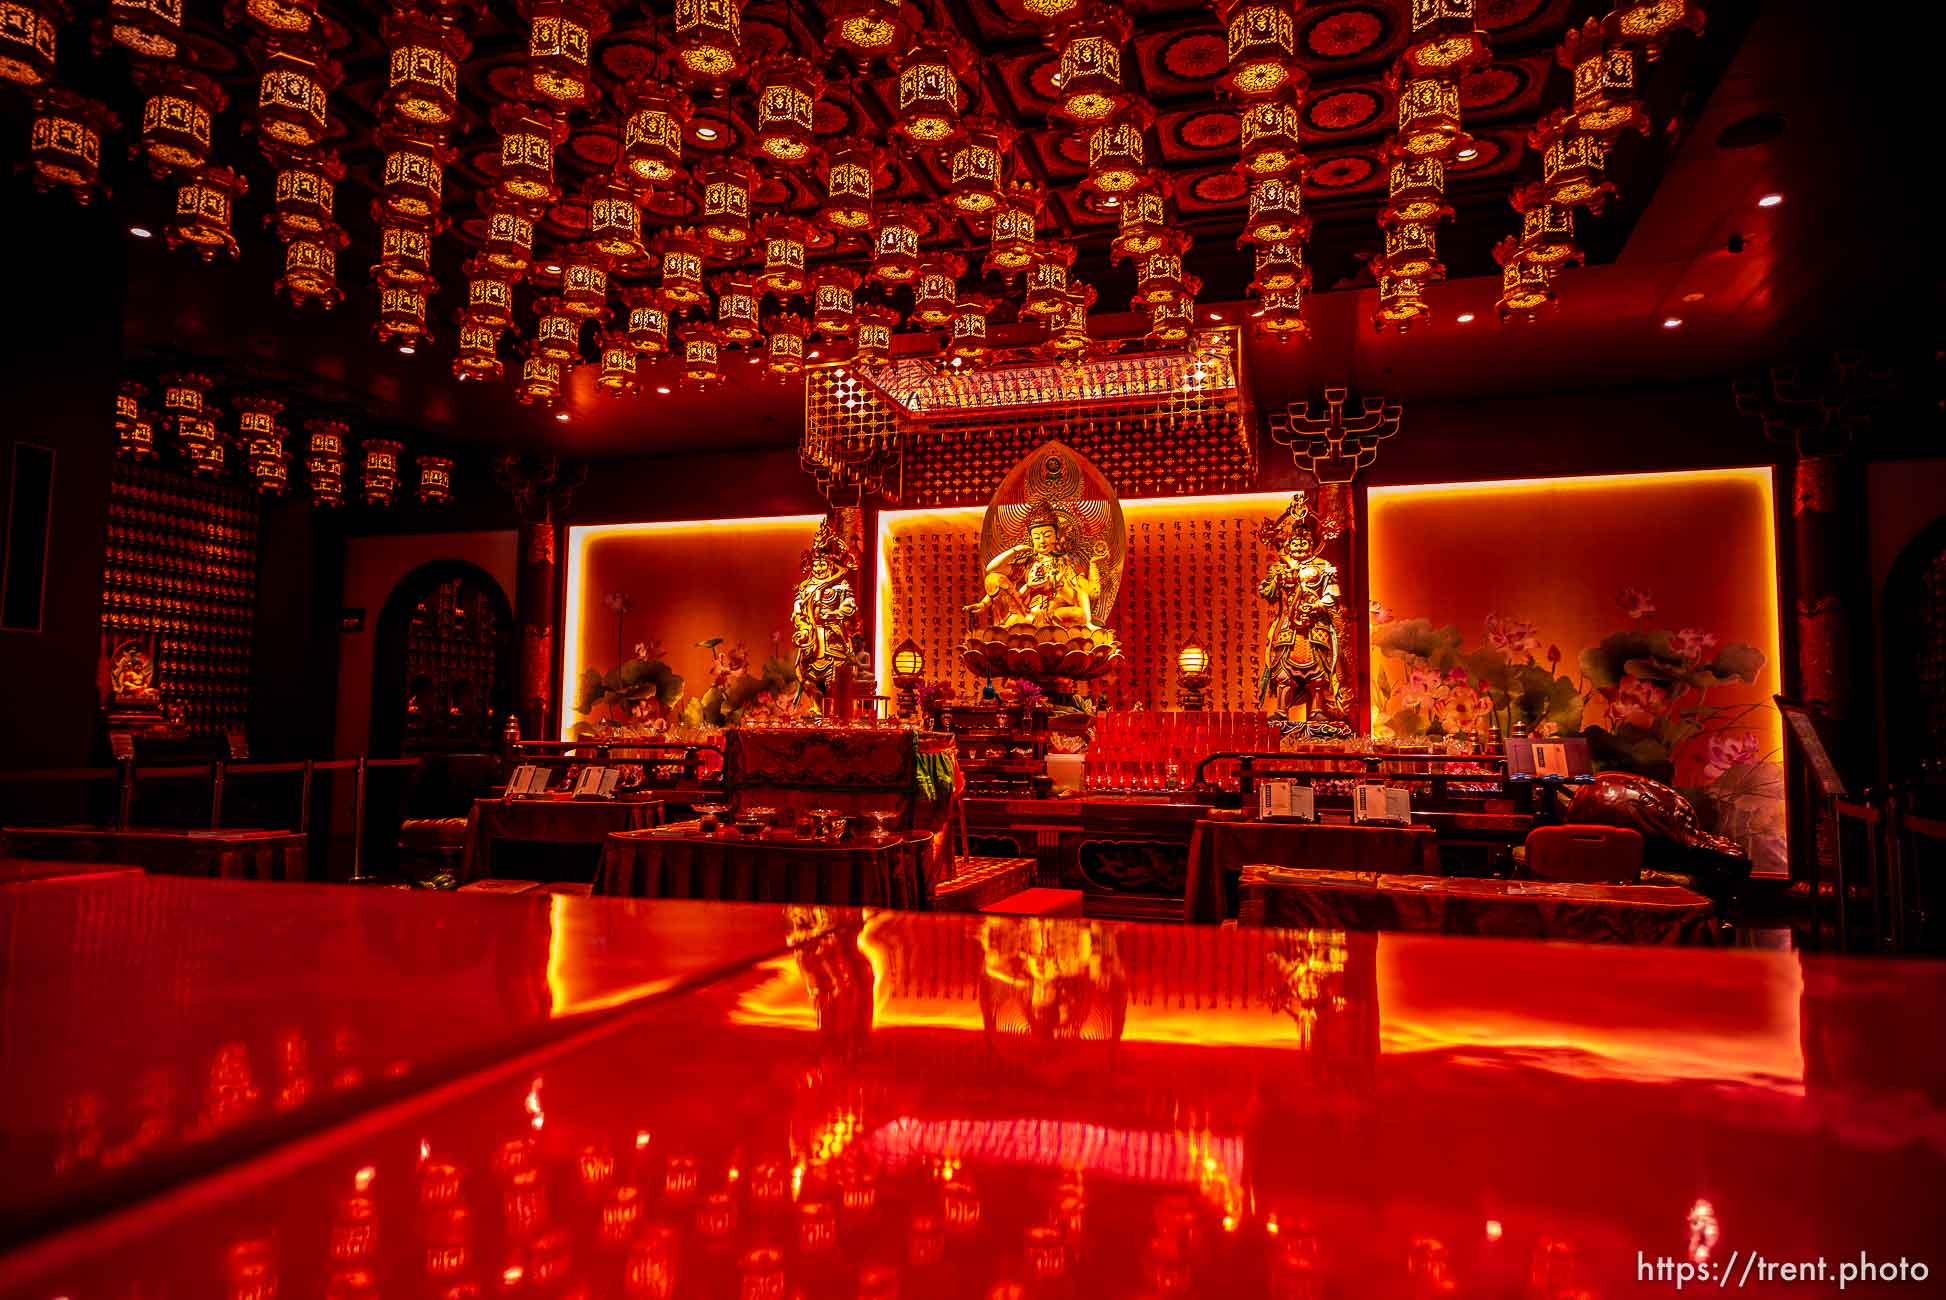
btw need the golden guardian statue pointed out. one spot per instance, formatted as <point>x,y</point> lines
<point>1307,658</point>
<point>824,615</point>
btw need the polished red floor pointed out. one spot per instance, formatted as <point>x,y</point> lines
<point>246,1091</point>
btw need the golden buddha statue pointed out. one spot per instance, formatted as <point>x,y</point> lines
<point>1307,673</point>
<point>1050,580</point>
<point>823,610</point>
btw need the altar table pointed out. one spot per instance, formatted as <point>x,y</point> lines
<point>235,854</point>
<point>548,821</point>
<point>733,867</point>
<point>1219,851</point>
<point>1501,909</point>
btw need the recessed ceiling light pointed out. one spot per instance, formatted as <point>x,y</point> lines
<point>552,268</point>
<point>815,354</point>
<point>1672,322</point>
<point>1216,315</point>
<point>1112,201</point>
<point>663,389</point>
<point>706,133</point>
<point>1770,200</point>
<point>141,232</point>
<point>1468,154</point>
<point>1464,318</point>
<point>753,358</point>
<point>406,349</point>
<point>1694,295</point>
<point>562,416</point>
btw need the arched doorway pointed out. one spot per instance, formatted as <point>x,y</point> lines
<point>442,662</point>
<point>1914,606</point>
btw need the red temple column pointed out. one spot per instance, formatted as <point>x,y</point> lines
<point>541,490</point>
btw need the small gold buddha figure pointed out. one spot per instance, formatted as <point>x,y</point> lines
<point>1050,580</point>
<point>823,608</point>
<point>1306,661</point>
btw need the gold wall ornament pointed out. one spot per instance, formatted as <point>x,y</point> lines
<point>422,68</point>
<point>177,114</point>
<point>1052,550</point>
<point>560,38</point>
<point>311,266</point>
<point>824,609</point>
<point>834,301</point>
<point>204,204</point>
<point>134,430</point>
<point>1089,48</point>
<point>263,442</point>
<point>788,87</point>
<point>1309,671</point>
<point>1333,445</point>
<point>648,322</point>
<point>151,29</point>
<point>64,143</point>
<point>1259,37</point>
<point>682,267</point>
<point>203,446</point>
<point>28,29</point>
<point>324,460</point>
<point>435,480</point>
<point>653,121</point>
<point>709,38</point>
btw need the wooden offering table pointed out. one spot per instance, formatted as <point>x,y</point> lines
<point>685,862</point>
<point>549,820</point>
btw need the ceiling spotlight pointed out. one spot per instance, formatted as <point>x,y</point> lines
<point>1468,154</point>
<point>1464,318</point>
<point>1672,322</point>
<point>706,133</point>
<point>1770,200</point>
<point>1112,201</point>
<point>141,232</point>
<point>562,416</point>
<point>663,389</point>
<point>1694,295</point>
<point>814,354</point>
<point>552,268</point>
<point>406,349</point>
<point>1216,315</point>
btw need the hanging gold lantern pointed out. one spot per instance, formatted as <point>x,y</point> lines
<point>203,207</point>
<point>185,399</point>
<point>1573,165</point>
<point>1016,227</point>
<point>557,332</point>
<point>1607,96</point>
<point>849,182</point>
<point>1429,117</point>
<point>541,381</point>
<point>1411,251</point>
<point>27,36</point>
<point>1117,154</point>
<point>134,431</point>
<point>974,165</point>
<point>1159,275</point>
<point>1270,142</point>
<point>381,471</point>
<point>620,369</point>
<point>402,316</point>
<point>1280,267</point>
<point>702,354</point>
<point>1444,40</point>
<point>64,144</point>
<point>929,92</point>
<point>1260,36</point>
<point>1144,221</point>
<point>270,466</point>
<point>1652,23</point>
<point>203,446</point>
<point>736,309</point>
<point>303,195</point>
<point>281,17</point>
<point>489,295</point>
<point>1399,303</point>
<point>510,240</point>
<point>1046,13</point>
<point>560,36</point>
<point>682,267</point>
<point>969,337</point>
<point>1417,190</point>
<point>895,253</point>
<point>1526,285</point>
<point>1546,231</point>
<point>584,284</point>
<point>787,96</point>
<point>311,266</point>
<point>1047,280</point>
<point>936,290</point>
<point>151,29</point>
<point>422,72</point>
<point>615,221</point>
<point>263,441</point>
<point>435,480</point>
<point>726,204</point>
<point>413,178</point>
<point>784,346</point>
<point>478,355</point>
<point>648,323</point>
<point>1170,322</point>
<point>1067,328</point>
<point>176,118</point>
<point>1090,77</point>
<point>709,37</point>
<point>293,93</point>
<point>875,325</point>
<point>528,138</point>
<point>782,238</point>
<point>652,127</point>
<point>1280,314</point>
<point>870,29</point>
<point>1276,213</point>
<point>404,255</point>
<point>834,301</point>
<point>324,460</point>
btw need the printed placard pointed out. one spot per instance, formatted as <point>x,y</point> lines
<point>1551,759</point>
<point>528,779</point>
<point>1381,803</point>
<point>1286,801</point>
<point>596,783</point>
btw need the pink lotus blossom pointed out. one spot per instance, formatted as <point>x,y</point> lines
<point>1692,643</point>
<point>1460,710</point>
<point>1380,614</point>
<point>1456,675</point>
<point>1639,700</point>
<point>1638,603</point>
<point>1512,637</point>
<point>1723,750</point>
<point>1542,730</point>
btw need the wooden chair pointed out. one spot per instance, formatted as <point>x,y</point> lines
<point>971,883</point>
<point>1585,855</point>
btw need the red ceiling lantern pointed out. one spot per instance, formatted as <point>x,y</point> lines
<point>1607,91</point>
<point>203,445</point>
<point>185,408</point>
<point>324,460</point>
<point>1526,286</point>
<point>151,29</point>
<point>204,204</point>
<point>64,144</point>
<point>380,478</point>
<point>702,355</point>
<point>974,165</point>
<point>726,204</point>
<point>402,315</point>
<point>294,93</point>
<point>895,253</point>
<point>968,341</point>
<point>478,355</point>
<point>528,138</point>
<point>1416,190</point>
<point>311,266</point>
<point>936,291</point>
<point>870,29</point>
<point>1044,12</point>
<point>615,220</point>
<point>584,284</point>
<point>1280,267</point>
<point>1159,275</point>
<point>1429,117</point>
<point>176,117</point>
<point>736,309</point>
<point>1276,213</point>
<point>648,322</point>
<point>1280,315</point>
<point>413,179</point>
<point>27,39</point>
<point>1171,322</point>
<point>620,373</point>
<point>787,98</point>
<point>1144,221</point>
<point>784,346</point>
<point>1400,303</point>
<point>304,193</point>
<point>1546,231</point>
<point>557,332</point>
<point>542,380</point>
<point>510,239</point>
<point>1445,40</point>
<point>1269,129</point>
<point>422,72</point>
<point>652,126</point>
<point>404,255</point>
<point>1090,77</point>
<point>709,38</point>
<point>560,36</point>
<point>850,180</point>
<point>682,267</point>
<point>1260,36</point>
<point>1047,280</point>
<point>782,238</point>
<point>1412,251</point>
<point>263,442</point>
<point>1118,153</point>
<point>1574,165</point>
<point>134,430</point>
<point>929,88</point>
<point>1016,227</point>
<point>875,325</point>
<point>435,480</point>
<point>1651,24</point>
<point>1067,328</point>
<point>834,301</point>
<point>276,17</point>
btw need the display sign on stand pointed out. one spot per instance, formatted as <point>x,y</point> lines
<point>1286,801</point>
<point>1382,805</point>
<point>528,780</point>
<point>596,783</point>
